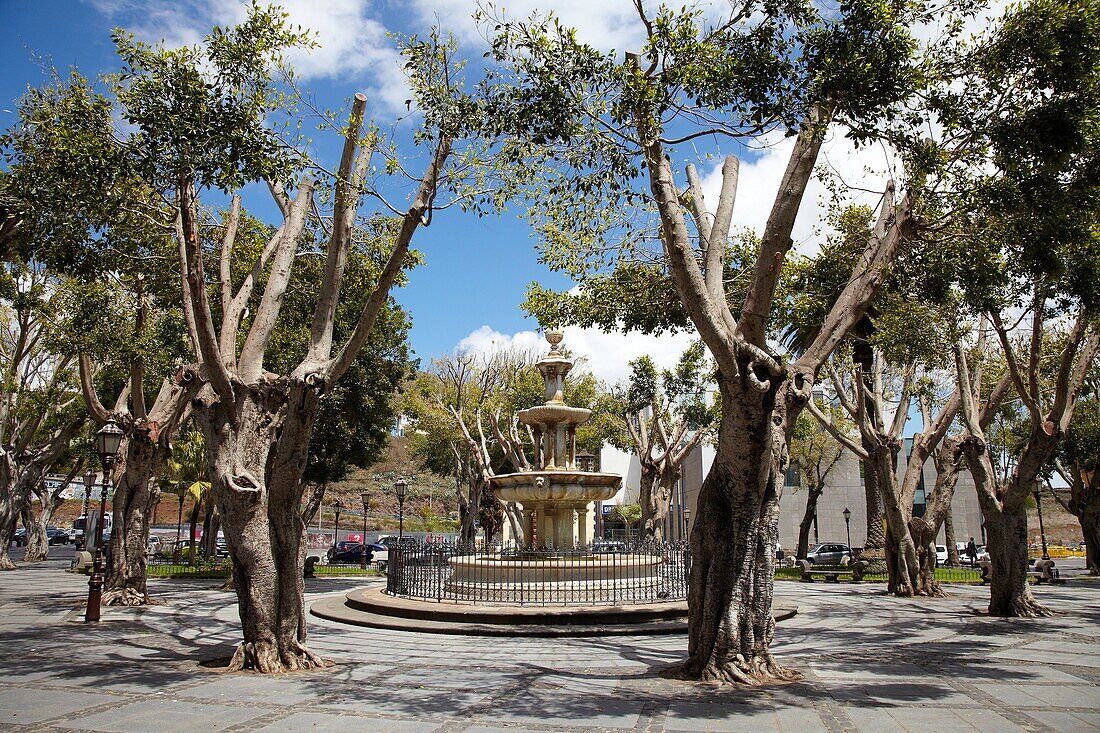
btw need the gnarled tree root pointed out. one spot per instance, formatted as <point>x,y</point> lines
<point>1023,608</point>
<point>127,597</point>
<point>758,670</point>
<point>7,564</point>
<point>265,657</point>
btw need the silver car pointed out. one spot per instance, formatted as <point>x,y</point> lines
<point>828,554</point>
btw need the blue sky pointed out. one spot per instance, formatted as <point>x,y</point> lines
<point>476,269</point>
<point>469,291</point>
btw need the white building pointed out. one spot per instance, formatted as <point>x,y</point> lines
<point>844,489</point>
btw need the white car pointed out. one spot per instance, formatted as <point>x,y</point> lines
<point>941,554</point>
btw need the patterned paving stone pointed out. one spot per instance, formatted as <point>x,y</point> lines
<point>871,663</point>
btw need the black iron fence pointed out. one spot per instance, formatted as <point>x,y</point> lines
<point>604,573</point>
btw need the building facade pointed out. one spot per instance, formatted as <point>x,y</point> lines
<point>844,490</point>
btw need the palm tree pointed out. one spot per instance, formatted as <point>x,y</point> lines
<point>187,471</point>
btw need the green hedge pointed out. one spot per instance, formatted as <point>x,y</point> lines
<point>223,571</point>
<point>188,571</point>
<point>944,575</point>
<point>333,571</point>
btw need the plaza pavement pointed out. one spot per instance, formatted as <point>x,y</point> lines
<point>871,663</point>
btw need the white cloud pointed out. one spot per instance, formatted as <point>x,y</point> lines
<point>353,45</point>
<point>759,179</point>
<point>606,355</point>
<point>606,25</point>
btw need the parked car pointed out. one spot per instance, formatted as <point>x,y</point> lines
<point>983,553</point>
<point>609,547</point>
<point>341,546</point>
<point>941,554</point>
<point>392,539</point>
<point>54,536</point>
<point>828,554</point>
<point>354,554</point>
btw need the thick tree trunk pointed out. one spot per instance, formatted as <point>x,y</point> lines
<point>9,517</point>
<point>902,558</point>
<point>471,505</point>
<point>1085,505</point>
<point>654,501</point>
<point>38,542</point>
<point>1090,528</point>
<point>313,504</point>
<point>211,525</point>
<point>1006,540</point>
<point>812,495</point>
<point>13,496</point>
<point>876,525</point>
<point>255,458</point>
<point>922,531</point>
<point>950,539</point>
<point>136,494</point>
<point>733,544</point>
<point>515,520</point>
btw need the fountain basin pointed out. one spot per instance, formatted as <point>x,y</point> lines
<point>553,414</point>
<point>565,487</point>
<point>576,578</point>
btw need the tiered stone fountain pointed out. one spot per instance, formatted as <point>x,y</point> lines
<point>556,498</point>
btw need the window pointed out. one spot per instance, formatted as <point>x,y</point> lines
<point>793,477</point>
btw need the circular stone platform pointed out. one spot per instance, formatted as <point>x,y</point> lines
<point>372,607</point>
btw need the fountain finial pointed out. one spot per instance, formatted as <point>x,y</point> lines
<point>553,337</point>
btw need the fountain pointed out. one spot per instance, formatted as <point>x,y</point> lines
<point>553,560</point>
<point>508,590</point>
<point>556,495</point>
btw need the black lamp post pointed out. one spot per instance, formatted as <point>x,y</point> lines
<point>337,506</point>
<point>848,529</point>
<point>89,484</point>
<point>687,524</point>
<point>401,486</point>
<point>1042,532</point>
<point>179,525</point>
<point>107,442</point>
<point>366,507</point>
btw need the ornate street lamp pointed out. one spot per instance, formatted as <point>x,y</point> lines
<point>848,530</point>
<point>89,484</point>
<point>401,487</point>
<point>366,508</point>
<point>687,523</point>
<point>337,506</point>
<point>107,442</point>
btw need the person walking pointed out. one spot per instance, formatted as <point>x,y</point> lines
<point>972,552</point>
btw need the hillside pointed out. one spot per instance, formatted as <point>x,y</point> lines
<point>430,503</point>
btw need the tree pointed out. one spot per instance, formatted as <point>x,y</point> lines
<point>608,124</point>
<point>1035,201</point>
<point>201,121</point>
<point>662,417</point>
<point>40,407</point>
<point>629,514</point>
<point>1078,464</point>
<point>49,500</point>
<point>87,214</point>
<point>814,453</point>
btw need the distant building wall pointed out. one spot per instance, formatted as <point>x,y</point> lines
<point>844,489</point>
